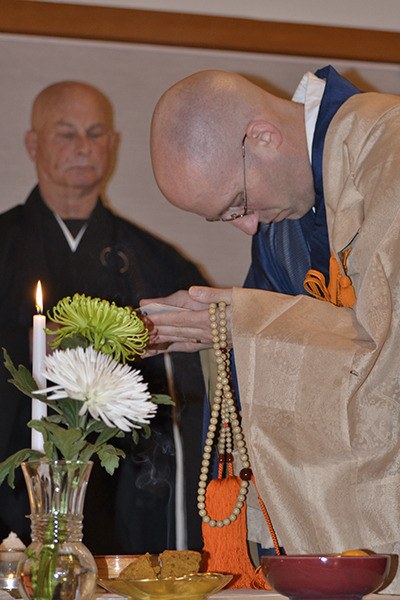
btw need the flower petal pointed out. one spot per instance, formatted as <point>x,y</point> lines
<point>110,391</point>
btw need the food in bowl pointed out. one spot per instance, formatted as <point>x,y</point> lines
<point>170,563</point>
<point>140,568</point>
<point>196,586</point>
<point>171,574</point>
<point>176,563</point>
<point>357,552</point>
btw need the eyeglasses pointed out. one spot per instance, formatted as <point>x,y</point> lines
<point>236,212</point>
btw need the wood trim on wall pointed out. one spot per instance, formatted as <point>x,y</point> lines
<point>192,30</point>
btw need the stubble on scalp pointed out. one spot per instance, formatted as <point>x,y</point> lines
<point>196,132</point>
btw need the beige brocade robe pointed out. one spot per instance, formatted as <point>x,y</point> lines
<point>320,385</point>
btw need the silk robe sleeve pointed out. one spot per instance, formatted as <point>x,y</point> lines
<point>319,385</point>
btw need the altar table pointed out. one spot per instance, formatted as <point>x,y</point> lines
<point>253,595</point>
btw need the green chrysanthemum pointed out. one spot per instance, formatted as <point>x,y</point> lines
<point>109,328</point>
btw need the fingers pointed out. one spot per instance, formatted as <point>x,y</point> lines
<point>207,295</point>
<point>193,298</point>
<point>177,346</point>
<point>173,299</point>
<point>180,299</point>
<point>184,330</point>
<point>184,338</point>
<point>195,322</point>
<point>165,335</point>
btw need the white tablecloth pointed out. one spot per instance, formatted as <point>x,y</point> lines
<point>264,595</point>
<point>228,595</point>
<point>251,595</point>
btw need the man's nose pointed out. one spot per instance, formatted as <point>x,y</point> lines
<point>83,144</point>
<point>248,223</point>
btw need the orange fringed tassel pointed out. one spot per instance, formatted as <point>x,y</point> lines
<point>225,548</point>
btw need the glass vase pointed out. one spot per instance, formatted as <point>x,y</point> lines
<point>58,566</point>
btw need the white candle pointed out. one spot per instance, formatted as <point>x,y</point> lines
<point>39,409</point>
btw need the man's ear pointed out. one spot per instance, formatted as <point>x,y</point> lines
<point>31,143</point>
<point>113,138</point>
<point>264,133</point>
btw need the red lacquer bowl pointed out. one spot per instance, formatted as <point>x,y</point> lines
<point>327,577</point>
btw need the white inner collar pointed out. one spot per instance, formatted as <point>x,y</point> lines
<point>73,242</point>
<point>309,92</point>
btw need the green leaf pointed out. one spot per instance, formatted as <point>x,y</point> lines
<point>72,341</point>
<point>50,450</point>
<point>146,431</point>
<point>106,435</point>
<point>109,457</point>
<point>21,377</point>
<point>95,426</point>
<point>87,452</point>
<point>162,399</point>
<point>8,466</point>
<point>106,432</point>
<point>69,442</point>
<point>70,409</point>
<point>55,418</point>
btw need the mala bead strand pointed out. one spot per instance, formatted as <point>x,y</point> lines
<point>224,418</point>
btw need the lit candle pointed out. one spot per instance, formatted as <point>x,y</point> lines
<point>39,409</point>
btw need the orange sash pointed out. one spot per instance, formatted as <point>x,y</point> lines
<point>340,290</point>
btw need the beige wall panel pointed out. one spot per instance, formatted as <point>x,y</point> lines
<point>356,13</point>
<point>134,76</point>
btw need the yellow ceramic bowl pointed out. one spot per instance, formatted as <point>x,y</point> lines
<point>195,587</point>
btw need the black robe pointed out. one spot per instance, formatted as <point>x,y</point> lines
<point>131,512</point>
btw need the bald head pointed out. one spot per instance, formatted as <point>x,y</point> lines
<point>196,134</point>
<point>71,142</point>
<point>205,109</point>
<point>198,125</point>
<point>59,95</point>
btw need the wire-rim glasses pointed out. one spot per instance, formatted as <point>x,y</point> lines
<point>236,212</point>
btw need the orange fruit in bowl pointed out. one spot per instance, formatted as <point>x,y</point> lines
<point>354,553</point>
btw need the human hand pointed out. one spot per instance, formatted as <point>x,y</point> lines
<point>188,329</point>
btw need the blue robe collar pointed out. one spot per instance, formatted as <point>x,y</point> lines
<point>283,252</point>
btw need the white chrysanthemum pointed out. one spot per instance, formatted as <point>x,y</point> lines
<point>110,391</point>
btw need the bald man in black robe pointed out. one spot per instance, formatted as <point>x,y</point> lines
<point>66,237</point>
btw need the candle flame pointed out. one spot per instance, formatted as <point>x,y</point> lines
<point>39,298</point>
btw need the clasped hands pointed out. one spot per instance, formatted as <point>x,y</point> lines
<point>186,330</point>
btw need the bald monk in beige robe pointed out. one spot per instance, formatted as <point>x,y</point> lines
<point>319,378</point>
